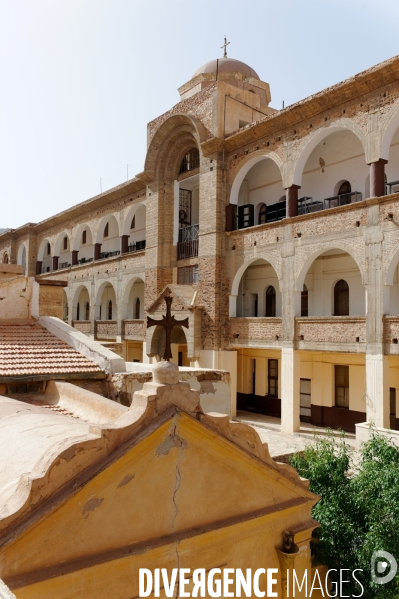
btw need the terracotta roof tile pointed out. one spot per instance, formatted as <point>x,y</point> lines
<point>26,348</point>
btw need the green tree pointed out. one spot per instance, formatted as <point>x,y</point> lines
<point>359,507</point>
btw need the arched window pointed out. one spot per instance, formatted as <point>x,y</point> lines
<point>137,309</point>
<point>78,312</point>
<point>48,249</point>
<point>87,311</point>
<point>133,224</point>
<point>270,301</point>
<point>106,230</point>
<point>345,189</point>
<point>304,301</point>
<point>341,298</point>
<point>190,161</point>
<point>84,237</point>
<point>65,243</point>
<point>110,310</point>
<point>262,214</point>
<point>5,258</point>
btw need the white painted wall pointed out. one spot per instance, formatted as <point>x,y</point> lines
<point>137,291</point>
<point>139,232</point>
<point>321,278</point>
<point>255,280</point>
<point>344,160</point>
<point>262,185</point>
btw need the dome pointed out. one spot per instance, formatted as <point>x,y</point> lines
<point>226,65</point>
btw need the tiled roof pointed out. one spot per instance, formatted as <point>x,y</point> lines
<point>27,348</point>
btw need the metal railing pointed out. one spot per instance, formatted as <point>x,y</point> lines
<point>63,265</point>
<point>85,260</point>
<point>109,254</point>
<point>389,186</point>
<point>136,246</point>
<point>307,205</point>
<point>342,199</point>
<point>187,246</point>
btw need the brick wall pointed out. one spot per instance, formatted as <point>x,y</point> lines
<point>335,329</point>
<point>255,328</point>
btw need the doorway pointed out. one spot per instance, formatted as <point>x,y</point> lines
<point>305,410</point>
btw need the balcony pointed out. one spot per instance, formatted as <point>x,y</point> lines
<point>106,329</point>
<point>322,331</point>
<point>136,246</point>
<point>84,326</point>
<point>392,187</point>
<point>63,265</point>
<point>255,331</point>
<point>133,329</point>
<point>307,205</point>
<point>109,254</point>
<point>85,260</point>
<point>187,246</point>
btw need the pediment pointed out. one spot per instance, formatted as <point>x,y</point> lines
<point>184,298</point>
<point>178,477</point>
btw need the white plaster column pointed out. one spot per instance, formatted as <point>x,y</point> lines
<point>377,369</point>
<point>377,386</point>
<point>232,306</point>
<point>290,363</point>
<point>290,399</point>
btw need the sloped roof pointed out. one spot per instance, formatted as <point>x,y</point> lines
<point>185,295</point>
<point>27,348</point>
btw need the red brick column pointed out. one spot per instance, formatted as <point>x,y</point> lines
<point>292,200</point>
<point>55,262</point>
<point>230,217</point>
<point>124,243</point>
<point>377,178</point>
<point>97,251</point>
<point>74,257</point>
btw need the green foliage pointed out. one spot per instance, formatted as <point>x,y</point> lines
<point>359,506</point>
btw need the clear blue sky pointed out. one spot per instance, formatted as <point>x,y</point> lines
<point>81,78</point>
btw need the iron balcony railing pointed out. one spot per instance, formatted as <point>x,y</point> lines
<point>109,254</point>
<point>307,205</point>
<point>63,265</point>
<point>342,199</point>
<point>391,186</point>
<point>85,260</point>
<point>136,246</point>
<point>187,246</point>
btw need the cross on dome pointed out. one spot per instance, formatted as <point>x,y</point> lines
<point>224,47</point>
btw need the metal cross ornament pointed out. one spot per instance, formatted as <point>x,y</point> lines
<point>168,322</point>
<point>224,47</point>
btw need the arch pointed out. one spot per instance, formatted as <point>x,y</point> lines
<point>78,300</point>
<point>341,298</point>
<point>260,213</point>
<point>238,276</point>
<point>246,167</point>
<point>392,264</point>
<point>126,296</point>
<point>109,310</point>
<point>129,215</point>
<point>164,131</point>
<point>300,281</point>
<point>99,297</point>
<point>313,139</point>
<point>270,311</point>
<point>21,255</point>
<point>391,125</point>
<point>113,228</point>
<point>59,246</point>
<point>41,254</point>
<point>77,237</point>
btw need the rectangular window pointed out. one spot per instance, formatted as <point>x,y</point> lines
<point>341,386</point>
<point>187,275</point>
<point>272,375</point>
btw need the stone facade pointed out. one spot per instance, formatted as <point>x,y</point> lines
<point>346,135</point>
